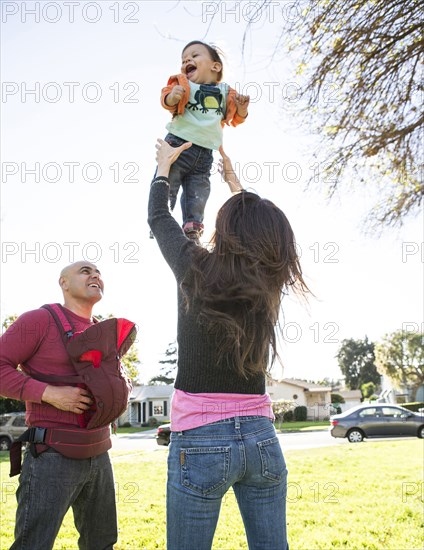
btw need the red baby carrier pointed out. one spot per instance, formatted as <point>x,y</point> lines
<point>95,354</point>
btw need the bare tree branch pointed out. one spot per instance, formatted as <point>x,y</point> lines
<point>371,52</point>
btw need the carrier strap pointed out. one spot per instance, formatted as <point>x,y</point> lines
<point>62,321</point>
<point>70,442</point>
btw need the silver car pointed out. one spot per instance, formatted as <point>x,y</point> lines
<point>377,420</point>
<point>12,425</point>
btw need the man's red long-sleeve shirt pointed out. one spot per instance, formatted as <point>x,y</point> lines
<point>34,343</point>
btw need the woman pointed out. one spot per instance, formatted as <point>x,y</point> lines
<point>228,304</point>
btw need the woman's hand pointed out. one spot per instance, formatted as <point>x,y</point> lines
<point>167,155</point>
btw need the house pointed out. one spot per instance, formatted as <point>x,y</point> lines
<point>352,399</point>
<point>316,398</point>
<point>402,394</point>
<point>148,402</point>
<point>391,394</point>
<point>419,396</point>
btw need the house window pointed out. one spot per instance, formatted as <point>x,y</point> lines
<point>157,408</point>
<point>295,396</point>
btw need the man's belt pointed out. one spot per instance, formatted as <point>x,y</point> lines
<point>70,442</point>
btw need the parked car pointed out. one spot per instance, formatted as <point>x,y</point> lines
<point>12,425</point>
<point>377,420</point>
<point>163,434</point>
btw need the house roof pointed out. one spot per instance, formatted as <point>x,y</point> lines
<point>307,386</point>
<point>140,393</point>
<point>350,394</point>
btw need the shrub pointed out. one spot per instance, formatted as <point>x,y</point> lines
<point>300,413</point>
<point>280,407</point>
<point>152,422</point>
<point>414,407</point>
<point>367,390</point>
<point>288,416</point>
<point>11,405</point>
<point>337,398</point>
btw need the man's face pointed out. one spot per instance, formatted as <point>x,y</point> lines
<point>198,66</point>
<point>82,281</point>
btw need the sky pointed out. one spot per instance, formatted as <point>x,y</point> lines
<point>80,115</point>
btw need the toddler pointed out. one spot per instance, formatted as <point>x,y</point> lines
<point>201,105</point>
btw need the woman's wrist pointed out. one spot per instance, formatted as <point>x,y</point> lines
<point>160,179</point>
<point>163,170</point>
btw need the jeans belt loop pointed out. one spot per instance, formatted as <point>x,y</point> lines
<point>237,422</point>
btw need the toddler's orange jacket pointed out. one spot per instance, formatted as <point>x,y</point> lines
<point>231,116</point>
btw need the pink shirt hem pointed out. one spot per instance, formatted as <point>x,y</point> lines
<point>191,410</point>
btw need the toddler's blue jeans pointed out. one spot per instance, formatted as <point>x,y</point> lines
<point>190,171</point>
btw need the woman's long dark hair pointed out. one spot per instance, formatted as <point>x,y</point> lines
<point>239,284</point>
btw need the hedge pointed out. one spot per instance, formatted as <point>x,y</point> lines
<point>413,406</point>
<point>300,413</point>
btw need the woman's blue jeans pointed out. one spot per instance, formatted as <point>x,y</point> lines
<point>242,453</point>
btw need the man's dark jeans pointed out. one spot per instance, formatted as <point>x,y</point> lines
<point>49,485</point>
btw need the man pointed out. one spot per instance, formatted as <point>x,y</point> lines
<point>50,483</point>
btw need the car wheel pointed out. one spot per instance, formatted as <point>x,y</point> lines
<point>421,432</point>
<point>4,443</point>
<point>355,436</point>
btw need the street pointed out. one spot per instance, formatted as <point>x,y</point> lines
<point>145,441</point>
<point>308,440</point>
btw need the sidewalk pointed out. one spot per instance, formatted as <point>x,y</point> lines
<point>145,434</point>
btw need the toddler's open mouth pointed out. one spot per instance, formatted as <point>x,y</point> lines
<point>190,70</point>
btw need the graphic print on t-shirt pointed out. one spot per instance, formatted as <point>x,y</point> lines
<point>208,97</point>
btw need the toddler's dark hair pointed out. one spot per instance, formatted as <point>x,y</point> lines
<point>215,53</point>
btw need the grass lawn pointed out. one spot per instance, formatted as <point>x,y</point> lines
<point>359,496</point>
<point>133,429</point>
<point>302,426</point>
